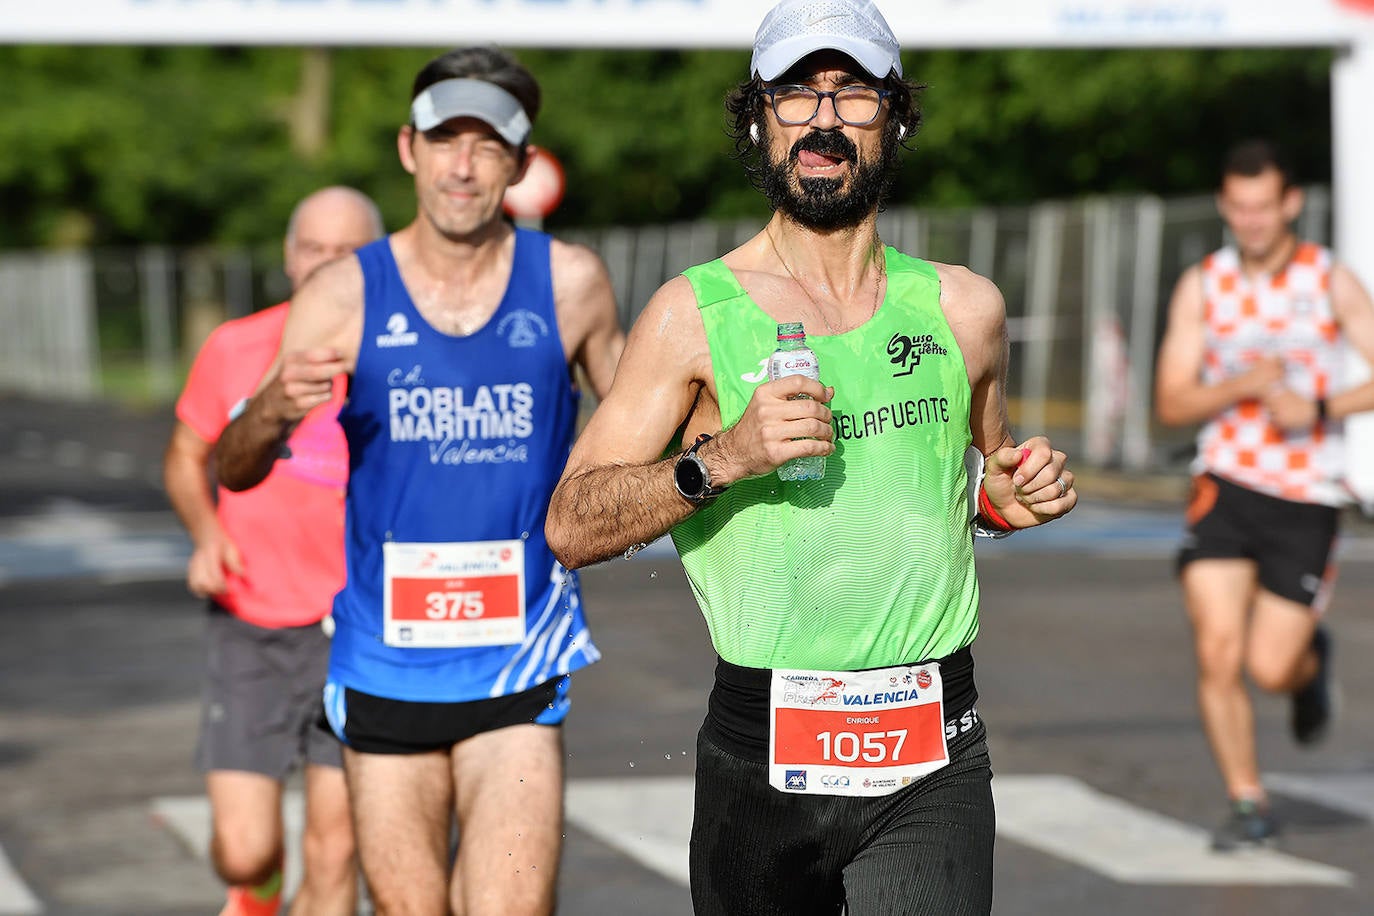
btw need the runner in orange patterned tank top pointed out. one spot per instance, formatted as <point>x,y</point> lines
<point>1253,352</point>
<point>1289,314</point>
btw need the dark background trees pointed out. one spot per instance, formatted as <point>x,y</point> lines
<point>118,145</point>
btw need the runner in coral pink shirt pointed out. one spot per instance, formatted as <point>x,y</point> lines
<point>270,561</point>
<point>280,568</point>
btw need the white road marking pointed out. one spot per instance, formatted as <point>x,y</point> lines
<point>188,817</point>
<point>15,897</point>
<point>1065,818</point>
<point>1352,792</point>
<point>650,821</point>
<point>70,539</point>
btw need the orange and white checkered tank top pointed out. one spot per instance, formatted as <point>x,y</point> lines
<point>1289,314</point>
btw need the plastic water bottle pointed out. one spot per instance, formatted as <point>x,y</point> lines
<point>794,357</point>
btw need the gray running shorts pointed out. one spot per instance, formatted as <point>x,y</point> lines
<point>263,709</point>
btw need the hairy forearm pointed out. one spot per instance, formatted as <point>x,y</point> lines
<point>603,512</point>
<point>249,446</point>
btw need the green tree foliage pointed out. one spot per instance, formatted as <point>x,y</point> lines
<point>641,134</point>
<point>190,145</point>
<point>1021,125</point>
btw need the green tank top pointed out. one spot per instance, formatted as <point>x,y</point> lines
<point>873,565</point>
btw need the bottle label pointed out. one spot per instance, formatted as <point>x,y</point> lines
<point>793,362</point>
<point>800,361</point>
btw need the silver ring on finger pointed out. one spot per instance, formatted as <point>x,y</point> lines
<point>1063,487</point>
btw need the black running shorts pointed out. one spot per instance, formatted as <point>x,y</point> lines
<point>925,849</point>
<point>1291,543</point>
<point>379,725</point>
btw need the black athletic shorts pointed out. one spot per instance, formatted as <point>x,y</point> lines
<point>378,725</point>
<point>1291,543</point>
<point>755,851</point>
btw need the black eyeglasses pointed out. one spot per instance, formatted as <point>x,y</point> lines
<point>856,106</point>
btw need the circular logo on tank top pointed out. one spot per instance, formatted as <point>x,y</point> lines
<point>522,328</point>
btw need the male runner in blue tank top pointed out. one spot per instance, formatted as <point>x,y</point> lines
<point>457,629</point>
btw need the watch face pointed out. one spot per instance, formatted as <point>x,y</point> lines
<point>689,478</point>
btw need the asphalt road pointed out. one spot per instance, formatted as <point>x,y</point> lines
<point>1105,788</point>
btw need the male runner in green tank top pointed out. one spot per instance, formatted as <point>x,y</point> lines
<point>842,763</point>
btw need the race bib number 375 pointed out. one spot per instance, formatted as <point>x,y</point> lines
<point>454,595</point>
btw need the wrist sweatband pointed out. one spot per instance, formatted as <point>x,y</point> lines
<point>989,512</point>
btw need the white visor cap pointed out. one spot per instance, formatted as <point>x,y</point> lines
<point>465,98</point>
<point>796,28</point>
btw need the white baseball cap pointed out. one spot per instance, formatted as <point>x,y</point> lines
<point>796,28</point>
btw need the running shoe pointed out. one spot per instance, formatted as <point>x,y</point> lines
<point>1247,826</point>
<point>263,900</point>
<point>1312,704</point>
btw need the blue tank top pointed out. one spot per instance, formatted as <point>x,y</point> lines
<point>456,440</point>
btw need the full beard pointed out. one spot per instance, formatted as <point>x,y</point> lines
<point>827,204</point>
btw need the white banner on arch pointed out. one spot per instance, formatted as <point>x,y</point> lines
<point>675,23</point>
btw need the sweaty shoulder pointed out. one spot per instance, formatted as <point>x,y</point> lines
<point>673,308</point>
<point>584,302</point>
<point>671,327</point>
<point>970,298</point>
<point>327,310</point>
<point>577,270</point>
<point>977,315</point>
<point>341,280</point>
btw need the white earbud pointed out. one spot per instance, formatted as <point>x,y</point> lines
<point>901,131</point>
<point>754,132</point>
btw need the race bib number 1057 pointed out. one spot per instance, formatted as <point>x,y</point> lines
<point>855,732</point>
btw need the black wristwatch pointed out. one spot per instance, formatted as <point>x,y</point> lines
<point>692,479</point>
